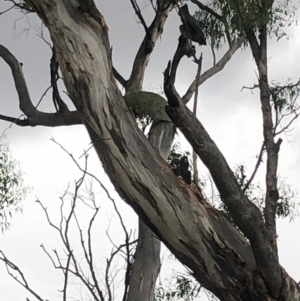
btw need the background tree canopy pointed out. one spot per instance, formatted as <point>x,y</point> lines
<point>12,188</point>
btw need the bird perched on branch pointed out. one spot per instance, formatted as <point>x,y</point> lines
<point>191,27</point>
<point>182,170</point>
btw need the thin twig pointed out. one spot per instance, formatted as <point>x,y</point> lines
<point>195,167</point>
<point>258,162</point>
<point>10,265</point>
<point>140,16</point>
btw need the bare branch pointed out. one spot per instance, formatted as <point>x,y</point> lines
<point>142,57</point>
<point>47,119</point>
<point>10,265</point>
<point>128,252</point>
<point>213,70</point>
<point>195,167</point>
<point>258,162</point>
<point>17,121</point>
<point>7,10</point>
<point>140,16</point>
<point>184,48</point>
<point>34,116</point>
<point>127,236</point>
<point>284,100</point>
<point>64,223</point>
<point>26,105</point>
<point>120,78</point>
<point>283,129</point>
<point>83,170</point>
<point>91,260</point>
<point>66,279</point>
<point>59,104</point>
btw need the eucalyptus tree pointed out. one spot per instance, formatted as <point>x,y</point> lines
<point>234,261</point>
<point>12,188</point>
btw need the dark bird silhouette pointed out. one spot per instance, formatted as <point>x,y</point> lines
<point>183,170</point>
<point>190,27</point>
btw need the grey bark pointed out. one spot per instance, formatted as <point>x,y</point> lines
<point>34,117</point>
<point>199,236</point>
<point>146,266</point>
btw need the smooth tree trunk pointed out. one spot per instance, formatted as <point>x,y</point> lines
<point>201,237</point>
<point>147,264</point>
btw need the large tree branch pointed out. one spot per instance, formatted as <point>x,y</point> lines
<point>17,121</point>
<point>46,119</point>
<point>25,103</point>
<point>272,195</point>
<point>142,57</point>
<point>34,116</point>
<point>147,264</point>
<point>246,215</point>
<point>189,245</point>
<point>147,258</point>
<point>259,51</point>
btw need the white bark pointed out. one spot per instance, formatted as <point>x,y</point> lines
<point>198,235</point>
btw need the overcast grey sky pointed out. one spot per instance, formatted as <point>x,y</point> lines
<point>232,117</point>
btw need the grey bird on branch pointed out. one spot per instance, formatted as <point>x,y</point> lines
<point>190,28</point>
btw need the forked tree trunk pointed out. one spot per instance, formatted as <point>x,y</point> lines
<point>198,235</point>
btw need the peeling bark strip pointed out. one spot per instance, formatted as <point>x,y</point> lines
<point>198,235</point>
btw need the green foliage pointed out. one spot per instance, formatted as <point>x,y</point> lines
<point>284,97</point>
<point>12,190</point>
<point>176,155</point>
<point>235,17</point>
<point>174,160</point>
<point>24,7</point>
<point>287,205</point>
<point>181,287</point>
<point>146,106</point>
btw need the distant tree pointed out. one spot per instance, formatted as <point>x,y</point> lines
<point>76,257</point>
<point>12,188</point>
